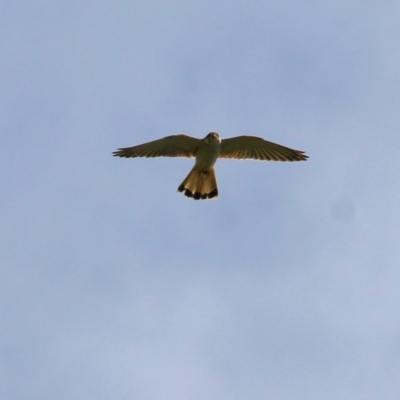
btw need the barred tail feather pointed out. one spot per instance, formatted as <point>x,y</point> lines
<point>200,184</point>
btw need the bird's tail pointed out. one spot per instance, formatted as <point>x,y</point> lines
<point>200,184</point>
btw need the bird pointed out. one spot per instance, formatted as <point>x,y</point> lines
<point>201,182</point>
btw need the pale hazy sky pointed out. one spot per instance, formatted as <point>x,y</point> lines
<point>114,286</point>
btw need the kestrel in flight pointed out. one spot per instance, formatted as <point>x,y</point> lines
<point>201,182</point>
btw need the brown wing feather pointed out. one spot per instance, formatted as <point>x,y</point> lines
<point>251,147</point>
<point>170,146</point>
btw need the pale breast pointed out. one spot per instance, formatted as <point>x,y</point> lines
<point>207,154</point>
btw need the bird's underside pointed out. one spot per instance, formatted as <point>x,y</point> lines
<point>201,182</point>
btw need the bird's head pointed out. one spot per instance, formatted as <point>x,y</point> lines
<point>213,136</point>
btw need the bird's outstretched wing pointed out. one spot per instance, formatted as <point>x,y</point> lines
<point>170,146</point>
<point>242,147</point>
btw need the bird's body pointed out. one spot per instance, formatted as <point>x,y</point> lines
<point>201,182</point>
<point>208,152</point>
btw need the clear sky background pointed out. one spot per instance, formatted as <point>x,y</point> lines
<point>114,286</point>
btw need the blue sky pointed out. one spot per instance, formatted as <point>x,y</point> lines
<point>113,285</point>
